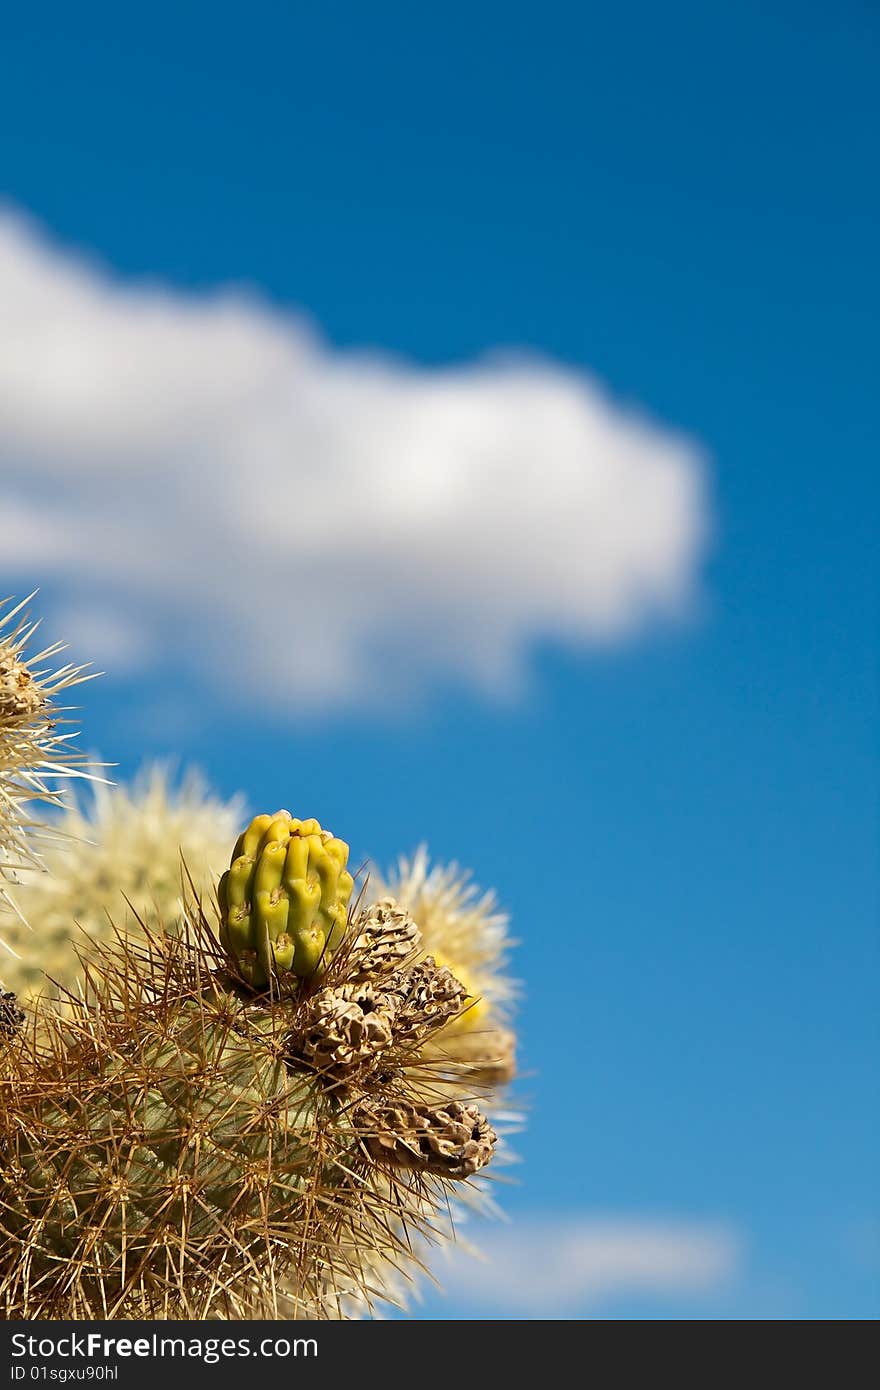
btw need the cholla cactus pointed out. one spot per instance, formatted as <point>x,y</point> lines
<point>264,1122</point>
<point>118,857</point>
<point>35,752</point>
<point>188,1144</point>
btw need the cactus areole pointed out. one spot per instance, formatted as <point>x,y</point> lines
<point>284,899</point>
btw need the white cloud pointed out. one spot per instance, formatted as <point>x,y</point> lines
<point>553,1265</point>
<point>205,478</point>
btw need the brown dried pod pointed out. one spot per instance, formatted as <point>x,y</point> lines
<point>345,1027</point>
<point>454,1139</point>
<point>20,696</point>
<point>429,995</point>
<point>386,938</point>
<point>12,1018</point>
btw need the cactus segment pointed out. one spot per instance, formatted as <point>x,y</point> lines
<point>179,1149</point>
<point>284,898</point>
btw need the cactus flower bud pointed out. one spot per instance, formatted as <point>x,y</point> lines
<point>284,898</point>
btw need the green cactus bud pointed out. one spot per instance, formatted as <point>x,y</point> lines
<point>284,898</point>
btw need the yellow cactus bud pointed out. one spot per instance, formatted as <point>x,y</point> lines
<point>284,898</point>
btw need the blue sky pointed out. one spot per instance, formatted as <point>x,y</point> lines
<point>681,818</point>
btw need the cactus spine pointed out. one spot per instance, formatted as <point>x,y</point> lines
<point>269,1125</point>
<point>35,754</point>
<point>151,1175</point>
<point>187,1143</point>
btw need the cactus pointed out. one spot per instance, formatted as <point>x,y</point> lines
<point>284,898</point>
<point>118,857</point>
<point>268,1124</point>
<point>35,753</point>
<point>185,1143</point>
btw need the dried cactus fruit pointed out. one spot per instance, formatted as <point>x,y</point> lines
<point>284,898</point>
<point>20,695</point>
<point>347,1027</point>
<point>454,1139</point>
<point>11,1016</point>
<point>429,996</point>
<point>386,938</point>
<point>476,1009</point>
